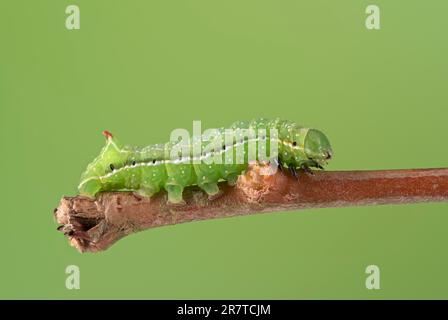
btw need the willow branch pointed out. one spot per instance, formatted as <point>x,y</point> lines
<point>95,224</point>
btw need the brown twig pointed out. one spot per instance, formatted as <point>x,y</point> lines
<point>95,224</point>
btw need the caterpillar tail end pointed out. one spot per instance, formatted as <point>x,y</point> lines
<point>107,134</point>
<point>89,188</point>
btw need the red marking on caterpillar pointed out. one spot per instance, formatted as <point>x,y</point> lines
<point>107,134</point>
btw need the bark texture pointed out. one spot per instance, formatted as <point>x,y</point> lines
<point>95,224</point>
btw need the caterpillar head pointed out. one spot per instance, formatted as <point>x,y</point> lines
<point>317,148</point>
<point>111,156</point>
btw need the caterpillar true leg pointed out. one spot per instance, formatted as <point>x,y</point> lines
<point>279,164</point>
<point>306,169</point>
<point>293,171</point>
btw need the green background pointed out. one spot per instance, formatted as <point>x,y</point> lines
<point>143,68</point>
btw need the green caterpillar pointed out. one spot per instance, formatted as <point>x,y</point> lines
<point>176,165</point>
